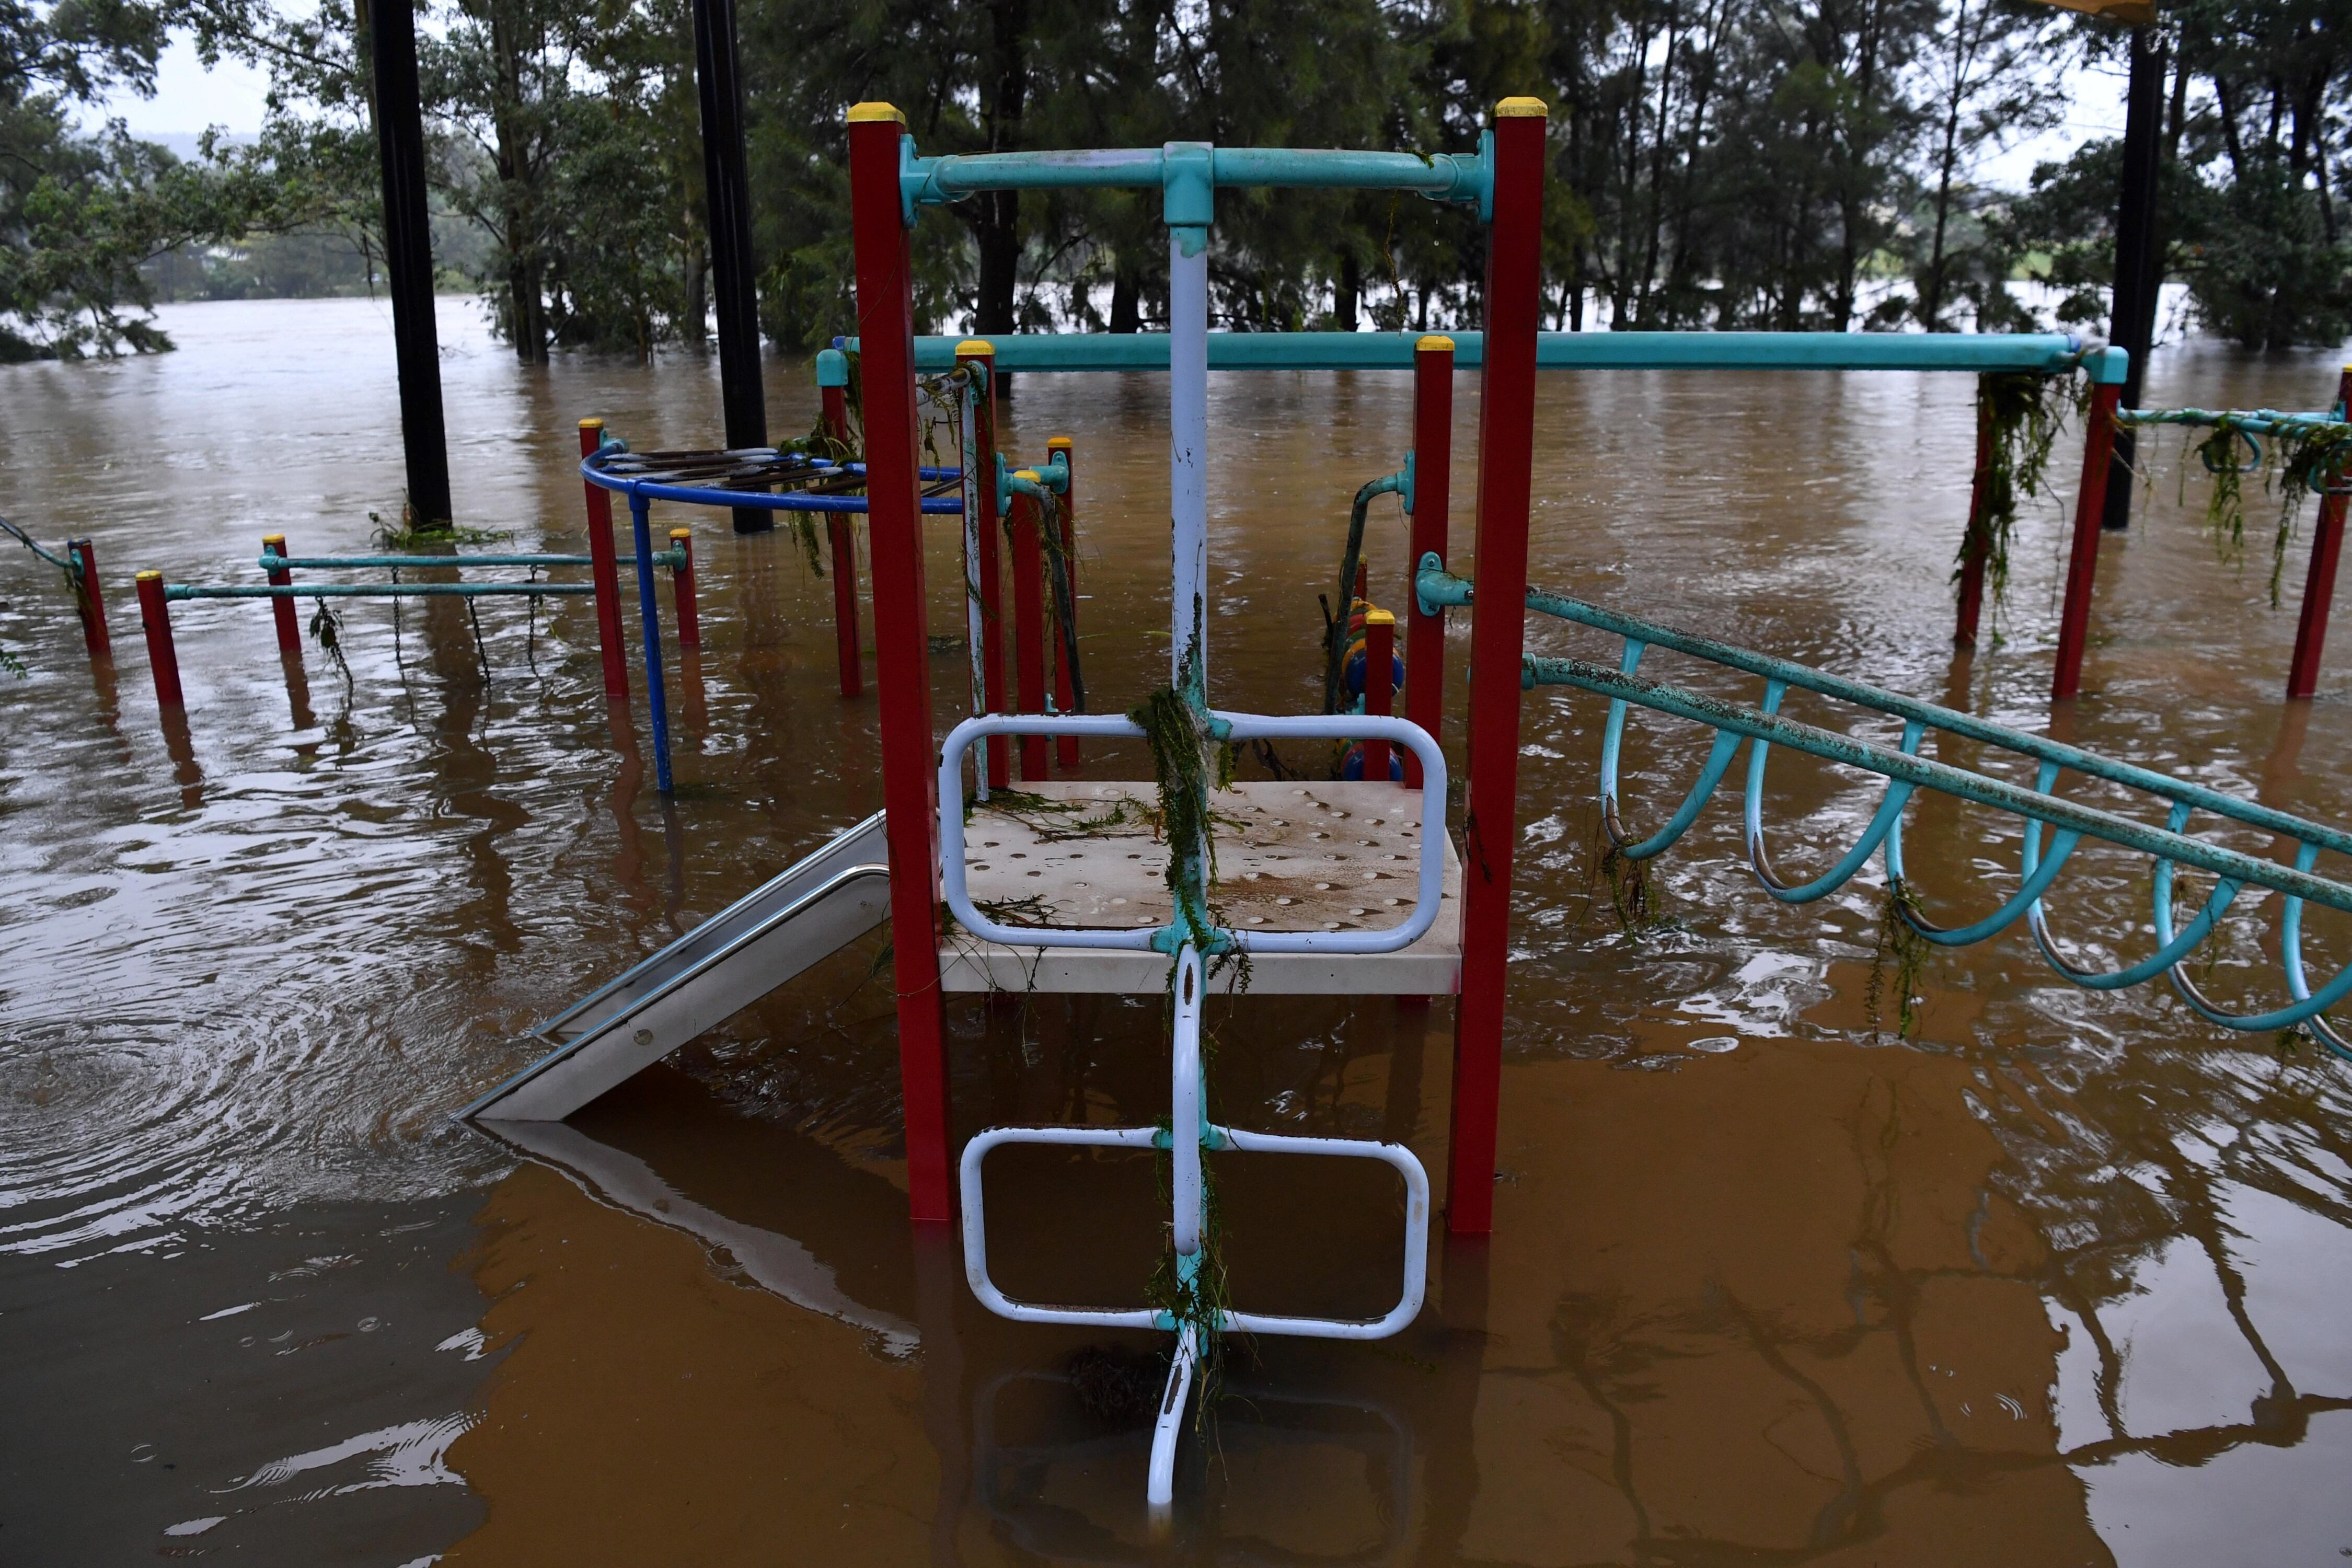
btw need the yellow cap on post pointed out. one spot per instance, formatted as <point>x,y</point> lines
<point>1510,109</point>
<point>1379,618</point>
<point>975,348</point>
<point>1059,443</point>
<point>592,424</point>
<point>147,577</point>
<point>274,539</point>
<point>864,114</point>
<point>687,533</point>
<point>1433,343</point>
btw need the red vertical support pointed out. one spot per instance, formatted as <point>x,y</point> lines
<point>604,571</point>
<point>843,538</point>
<point>979,352</point>
<point>1976,544</point>
<point>1505,480</point>
<point>156,619</point>
<point>1029,623</point>
<point>2090,506</point>
<point>681,585</point>
<point>1432,479</point>
<point>2319,582</point>
<point>289,630</point>
<point>1380,686</point>
<point>89,599</point>
<point>886,329</point>
<point>1066,747</point>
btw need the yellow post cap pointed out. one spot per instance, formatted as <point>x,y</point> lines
<point>975,348</point>
<point>147,577</point>
<point>1433,343</point>
<point>681,533</point>
<point>274,539</point>
<point>861,113</point>
<point>1059,443</point>
<point>592,424</point>
<point>1379,618</point>
<point>1509,108</point>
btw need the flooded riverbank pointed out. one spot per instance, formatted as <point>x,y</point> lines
<point>2052,1282</point>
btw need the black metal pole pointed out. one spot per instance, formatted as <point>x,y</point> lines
<point>2131,325</point>
<point>408,259</point>
<point>718,75</point>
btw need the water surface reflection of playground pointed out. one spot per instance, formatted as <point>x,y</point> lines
<point>2055,1283</point>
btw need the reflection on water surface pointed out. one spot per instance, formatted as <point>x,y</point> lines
<point>2054,1282</point>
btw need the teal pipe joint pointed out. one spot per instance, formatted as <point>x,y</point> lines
<point>1407,491</point>
<point>1435,588</point>
<point>1188,193</point>
<point>1053,477</point>
<point>832,368</point>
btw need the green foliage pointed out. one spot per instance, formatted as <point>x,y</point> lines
<point>2295,465</point>
<point>1901,949</point>
<point>2021,416</point>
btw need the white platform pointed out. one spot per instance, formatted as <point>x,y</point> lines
<point>1290,856</point>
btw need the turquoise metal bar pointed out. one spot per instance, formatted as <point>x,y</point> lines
<point>1441,176</point>
<point>375,590</point>
<point>674,559</point>
<point>2254,421</point>
<point>2047,353</point>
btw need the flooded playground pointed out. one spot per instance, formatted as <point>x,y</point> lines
<point>2054,1281</point>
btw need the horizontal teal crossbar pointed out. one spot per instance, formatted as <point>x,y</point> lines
<point>671,558</point>
<point>2048,353</point>
<point>175,590</point>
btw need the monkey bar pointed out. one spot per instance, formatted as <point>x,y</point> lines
<point>2068,822</point>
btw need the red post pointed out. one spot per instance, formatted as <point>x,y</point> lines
<point>604,569</point>
<point>1976,545</point>
<point>2090,505</point>
<point>1066,747</point>
<point>979,352</point>
<point>90,600</point>
<point>1506,406</point>
<point>2319,583</point>
<point>681,585</point>
<point>885,327</point>
<point>156,619</point>
<point>290,629</point>
<point>1433,476</point>
<point>843,538</point>
<point>1380,686</point>
<point>1029,623</point>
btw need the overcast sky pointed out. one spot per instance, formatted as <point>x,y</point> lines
<point>188,98</point>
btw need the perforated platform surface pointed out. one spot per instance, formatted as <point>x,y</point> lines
<point>1290,856</point>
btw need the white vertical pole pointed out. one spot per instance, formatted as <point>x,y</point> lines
<point>1184,1119</point>
<point>975,627</point>
<point>1188,458</point>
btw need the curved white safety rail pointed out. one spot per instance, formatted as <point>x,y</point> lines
<point>1428,890</point>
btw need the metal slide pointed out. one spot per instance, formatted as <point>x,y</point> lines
<point>721,966</point>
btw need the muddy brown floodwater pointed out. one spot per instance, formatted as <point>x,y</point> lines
<point>2061,1280</point>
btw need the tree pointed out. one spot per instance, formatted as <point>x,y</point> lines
<point>81,215</point>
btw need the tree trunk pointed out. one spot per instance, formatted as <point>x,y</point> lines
<point>695,319</point>
<point>1347,292</point>
<point>996,218</point>
<point>1125,302</point>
